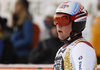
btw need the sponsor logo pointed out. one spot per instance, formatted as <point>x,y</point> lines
<point>80,65</point>
<point>58,64</point>
<point>80,58</point>
<point>80,62</point>
<point>59,55</point>
<point>64,5</point>
<point>61,51</point>
<point>81,8</point>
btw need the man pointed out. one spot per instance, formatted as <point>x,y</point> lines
<point>22,35</point>
<point>48,21</point>
<point>77,53</point>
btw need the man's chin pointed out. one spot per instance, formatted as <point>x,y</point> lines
<point>61,38</point>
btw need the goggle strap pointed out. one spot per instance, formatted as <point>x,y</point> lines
<point>76,16</point>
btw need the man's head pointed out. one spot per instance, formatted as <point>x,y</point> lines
<point>21,5</point>
<point>49,13</point>
<point>48,21</point>
<point>70,19</point>
<point>98,5</point>
<point>63,25</point>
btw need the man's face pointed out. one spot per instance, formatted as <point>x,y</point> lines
<point>64,31</point>
<point>49,19</point>
<point>18,8</point>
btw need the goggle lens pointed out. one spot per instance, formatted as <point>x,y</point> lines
<point>61,19</point>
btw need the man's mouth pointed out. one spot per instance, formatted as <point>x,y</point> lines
<point>59,31</point>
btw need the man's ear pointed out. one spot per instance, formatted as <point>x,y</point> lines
<point>78,26</point>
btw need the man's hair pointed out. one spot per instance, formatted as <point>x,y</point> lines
<point>25,3</point>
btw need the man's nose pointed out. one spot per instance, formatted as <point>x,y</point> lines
<point>59,26</point>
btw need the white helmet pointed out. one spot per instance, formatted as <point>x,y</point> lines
<point>76,14</point>
<point>77,10</point>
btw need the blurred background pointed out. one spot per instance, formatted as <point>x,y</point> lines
<point>27,33</point>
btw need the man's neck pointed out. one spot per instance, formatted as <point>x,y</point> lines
<point>67,43</point>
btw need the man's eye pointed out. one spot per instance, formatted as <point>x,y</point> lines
<point>64,18</point>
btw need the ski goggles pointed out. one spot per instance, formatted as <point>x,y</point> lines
<point>61,19</point>
<point>64,19</point>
